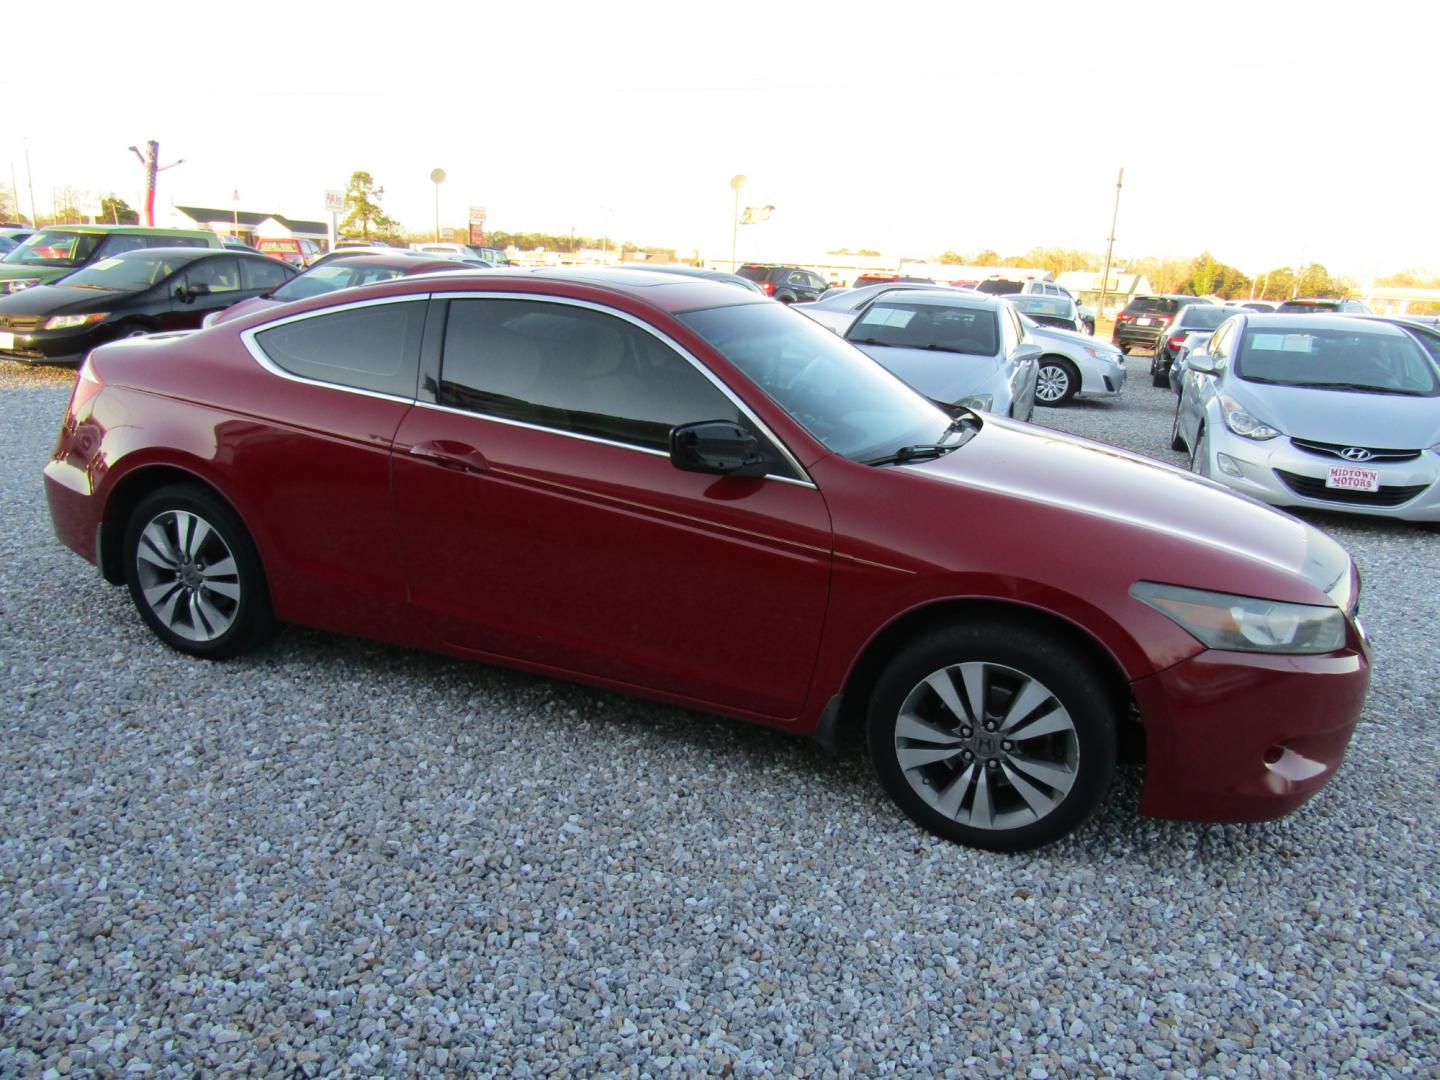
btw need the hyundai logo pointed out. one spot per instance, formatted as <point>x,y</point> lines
<point>1356,453</point>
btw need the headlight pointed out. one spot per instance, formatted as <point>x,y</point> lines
<point>1244,623</point>
<point>1243,424</point>
<point>69,322</point>
<point>1110,356</point>
<point>16,284</point>
<point>980,402</point>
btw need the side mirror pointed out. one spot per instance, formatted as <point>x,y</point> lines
<point>716,446</point>
<point>1202,363</point>
<point>1026,353</point>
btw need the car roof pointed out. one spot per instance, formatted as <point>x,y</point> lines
<point>954,298</point>
<point>143,230</point>
<point>1299,320</point>
<point>418,262</point>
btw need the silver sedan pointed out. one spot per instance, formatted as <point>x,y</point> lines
<point>1318,411</point>
<point>1073,364</point>
<point>955,347</point>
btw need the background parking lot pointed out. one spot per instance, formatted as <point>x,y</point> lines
<point>340,856</point>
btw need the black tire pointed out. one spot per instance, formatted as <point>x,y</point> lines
<point>1177,441</point>
<point>1068,769</point>
<point>202,593</point>
<point>1159,371</point>
<point>1200,451</point>
<point>1055,371</point>
<point>1125,350</point>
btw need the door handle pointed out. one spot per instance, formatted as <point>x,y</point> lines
<point>451,455</point>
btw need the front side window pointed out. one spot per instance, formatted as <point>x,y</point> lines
<point>375,347</point>
<point>217,275</point>
<point>263,273</point>
<point>576,370</point>
<point>176,241</point>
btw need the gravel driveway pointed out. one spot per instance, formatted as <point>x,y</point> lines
<point>337,857</point>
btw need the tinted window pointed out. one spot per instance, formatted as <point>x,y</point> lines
<point>942,327</point>
<point>1000,288</point>
<point>754,273</point>
<point>1202,316</point>
<point>218,275</point>
<point>263,273</point>
<point>115,243</point>
<point>572,369</point>
<point>1219,346</point>
<point>1152,305</point>
<point>375,347</point>
<point>176,241</point>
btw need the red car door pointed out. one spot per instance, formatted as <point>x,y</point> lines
<point>540,520</point>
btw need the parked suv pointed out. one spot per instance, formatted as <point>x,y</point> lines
<point>1145,319</point>
<point>294,250</point>
<point>785,283</point>
<point>1322,306</point>
<point>58,250</point>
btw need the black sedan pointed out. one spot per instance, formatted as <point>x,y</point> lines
<point>134,293</point>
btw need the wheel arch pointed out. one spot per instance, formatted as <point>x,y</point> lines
<point>126,495</point>
<point>881,648</point>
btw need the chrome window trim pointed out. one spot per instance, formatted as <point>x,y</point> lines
<point>472,415</point>
<point>247,338</point>
<point>802,474</point>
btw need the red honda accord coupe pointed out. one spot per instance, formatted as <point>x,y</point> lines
<point>677,488</point>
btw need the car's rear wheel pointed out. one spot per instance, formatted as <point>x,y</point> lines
<point>195,575</point>
<point>1057,381</point>
<point>1125,349</point>
<point>1159,370</point>
<point>993,735</point>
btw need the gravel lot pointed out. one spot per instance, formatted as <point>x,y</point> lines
<point>337,857</point>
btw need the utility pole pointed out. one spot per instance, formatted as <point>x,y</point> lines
<point>1110,247</point>
<point>29,180</point>
<point>736,183</point>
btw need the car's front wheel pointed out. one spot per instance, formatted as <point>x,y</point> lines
<point>1200,452</point>
<point>195,575</point>
<point>994,735</point>
<point>1177,441</point>
<point>1057,381</point>
<point>1159,370</point>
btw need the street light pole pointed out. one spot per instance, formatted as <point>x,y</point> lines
<point>437,177</point>
<point>1110,247</point>
<point>736,183</point>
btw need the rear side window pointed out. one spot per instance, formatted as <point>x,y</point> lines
<point>375,347</point>
<point>1202,316</point>
<point>175,241</point>
<point>572,369</point>
<point>115,243</point>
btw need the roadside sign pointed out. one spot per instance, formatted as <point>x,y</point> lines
<point>334,201</point>
<point>477,215</point>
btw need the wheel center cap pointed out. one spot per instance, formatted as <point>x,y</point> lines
<point>987,745</point>
<point>190,576</point>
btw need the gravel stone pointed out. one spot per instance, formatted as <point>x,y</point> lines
<point>338,857</point>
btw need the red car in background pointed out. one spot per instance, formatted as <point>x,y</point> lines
<point>296,251</point>
<point>676,488</point>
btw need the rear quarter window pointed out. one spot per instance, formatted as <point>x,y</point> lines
<point>374,347</point>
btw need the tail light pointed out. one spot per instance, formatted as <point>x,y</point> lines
<point>1176,340</point>
<point>1123,317</point>
<point>769,287</point>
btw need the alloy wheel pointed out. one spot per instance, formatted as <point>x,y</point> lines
<point>187,575</point>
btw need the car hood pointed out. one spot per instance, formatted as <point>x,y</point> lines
<point>59,299</point>
<point>1388,421</point>
<point>943,376</point>
<point>1074,474</point>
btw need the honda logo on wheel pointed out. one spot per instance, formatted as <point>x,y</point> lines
<point>1355,453</point>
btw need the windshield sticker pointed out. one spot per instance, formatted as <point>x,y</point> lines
<point>105,264</point>
<point>1298,343</point>
<point>896,317</point>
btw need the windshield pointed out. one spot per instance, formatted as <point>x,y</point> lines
<point>52,247</point>
<point>918,325</point>
<point>1036,306</point>
<point>1000,288</point>
<point>1202,316</point>
<point>131,272</point>
<point>1337,360</point>
<point>834,391</point>
<point>1309,305</point>
<point>1151,305</point>
<point>331,276</point>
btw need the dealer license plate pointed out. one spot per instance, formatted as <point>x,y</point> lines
<point>1349,478</point>
<point>1145,322</point>
<point>7,340</point>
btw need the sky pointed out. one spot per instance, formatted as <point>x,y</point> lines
<point>1269,134</point>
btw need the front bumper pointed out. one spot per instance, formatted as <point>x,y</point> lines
<point>48,346</point>
<point>1234,737</point>
<point>1281,474</point>
<point>1101,379</point>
